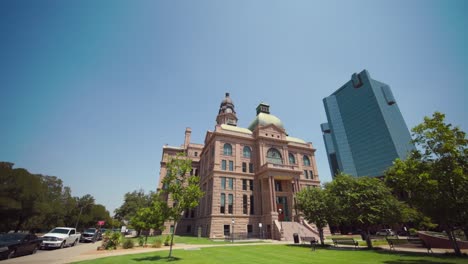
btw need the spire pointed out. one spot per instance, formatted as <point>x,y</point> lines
<point>226,113</point>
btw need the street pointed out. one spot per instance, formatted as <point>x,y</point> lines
<point>54,256</point>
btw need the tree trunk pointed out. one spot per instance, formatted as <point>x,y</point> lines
<point>453,240</point>
<point>465,231</point>
<point>368,239</point>
<point>172,239</point>
<point>321,236</point>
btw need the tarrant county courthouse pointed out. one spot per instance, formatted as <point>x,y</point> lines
<point>249,177</point>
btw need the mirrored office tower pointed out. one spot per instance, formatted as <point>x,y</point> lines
<point>365,132</point>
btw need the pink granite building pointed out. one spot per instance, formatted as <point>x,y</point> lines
<point>249,177</point>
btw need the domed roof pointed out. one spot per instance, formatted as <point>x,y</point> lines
<point>264,119</point>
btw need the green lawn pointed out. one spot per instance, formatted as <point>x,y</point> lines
<point>189,240</point>
<point>280,254</point>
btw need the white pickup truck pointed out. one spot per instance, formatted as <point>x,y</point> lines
<point>60,237</point>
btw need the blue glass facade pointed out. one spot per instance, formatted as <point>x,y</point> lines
<point>365,132</point>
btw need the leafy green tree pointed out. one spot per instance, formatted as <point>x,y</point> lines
<point>132,202</point>
<point>181,189</point>
<point>20,196</point>
<point>152,217</point>
<point>364,202</point>
<point>434,178</point>
<point>314,204</point>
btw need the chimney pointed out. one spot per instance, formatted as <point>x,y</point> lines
<point>188,131</point>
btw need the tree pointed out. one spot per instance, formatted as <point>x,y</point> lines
<point>152,217</point>
<point>181,188</point>
<point>364,202</point>
<point>313,203</point>
<point>132,202</point>
<point>434,178</point>
<point>20,196</point>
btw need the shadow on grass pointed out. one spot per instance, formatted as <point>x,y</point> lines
<point>416,261</point>
<point>158,258</point>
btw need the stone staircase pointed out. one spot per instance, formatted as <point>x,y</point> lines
<point>289,228</point>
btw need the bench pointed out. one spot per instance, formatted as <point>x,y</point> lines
<point>392,242</point>
<point>311,240</point>
<point>345,241</point>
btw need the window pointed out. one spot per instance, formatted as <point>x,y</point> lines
<point>244,167</point>
<point>251,184</point>
<point>292,159</point>
<point>223,164</point>
<point>251,204</point>
<point>251,170</point>
<point>196,154</point>
<point>306,160</point>
<point>244,184</point>
<point>247,153</point>
<point>311,174</point>
<point>189,229</point>
<point>306,175</point>
<point>274,156</point>
<point>231,165</point>
<point>278,186</point>
<point>230,203</point>
<point>249,229</point>
<point>227,149</point>
<point>227,229</point>
<point>244,204</point>
<point>223,203</point>
<point>192,213</point>
<point>223,183</point>
<point>231,183</point>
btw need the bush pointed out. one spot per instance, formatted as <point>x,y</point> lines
<point>167,242</point>
<point>141,241</point>
<point>128,243</point>
<point>413,232</point>
<point>157,243</point>
<point>111,240</point>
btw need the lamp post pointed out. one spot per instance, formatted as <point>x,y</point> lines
<point>280,213</point>
<point>232,236</point>
<point>260,226</point>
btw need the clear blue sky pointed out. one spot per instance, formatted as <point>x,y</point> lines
<point>92,90</point>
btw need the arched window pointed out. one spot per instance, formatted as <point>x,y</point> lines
<point>246,152</point>
<point>227,149</point>
<point>306,160</point>
<point>292,159</point>
<point>274,156</point>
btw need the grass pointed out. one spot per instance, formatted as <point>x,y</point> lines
<point>277,254</point>
<point>187,240</point>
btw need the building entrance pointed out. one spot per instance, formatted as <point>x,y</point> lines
<point>282,203</point>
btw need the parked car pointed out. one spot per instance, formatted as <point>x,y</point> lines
<point>91,235</point>
<point>60,237</point>
<point>385,232</point>
<point>18,244</point>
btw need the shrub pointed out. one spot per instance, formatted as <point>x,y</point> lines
<point>111,240</point>
<point>157,243</point>
<point>128,243</point>
<point>167,241</point>
<point>413,232</point>
<point>141,241</point>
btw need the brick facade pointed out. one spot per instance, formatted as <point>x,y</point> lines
<point>255,171</point>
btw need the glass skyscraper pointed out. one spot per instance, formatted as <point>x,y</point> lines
<point>365,132</point>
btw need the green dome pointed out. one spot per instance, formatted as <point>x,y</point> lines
<point>264,119</point>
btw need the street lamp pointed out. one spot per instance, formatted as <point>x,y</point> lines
<point>280,212</point>
<point>260,226</point>
<point>232,222</point>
